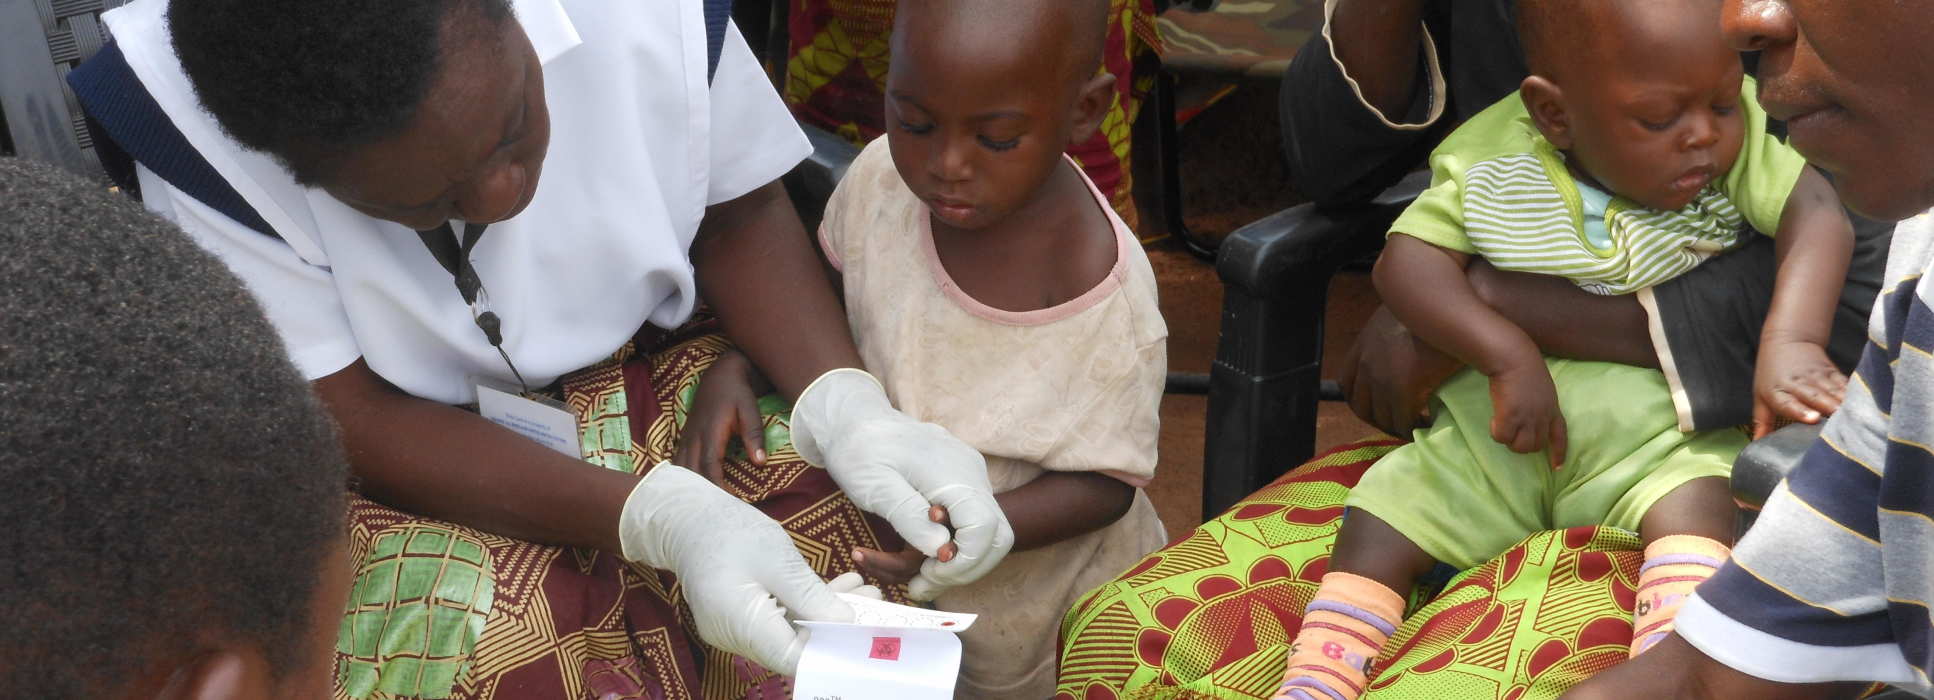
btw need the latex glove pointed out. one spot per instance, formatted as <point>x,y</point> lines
<point>898,468</point>
<point>851,582</point>
<point>741,574</point>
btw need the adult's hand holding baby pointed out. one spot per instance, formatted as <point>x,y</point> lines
<point>742,576</point>
<point>898,468</point>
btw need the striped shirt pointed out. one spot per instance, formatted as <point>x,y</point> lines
<point>1834,580</point>
<point>1501,191</point>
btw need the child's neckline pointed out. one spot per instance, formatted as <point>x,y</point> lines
<point>1036,317</point>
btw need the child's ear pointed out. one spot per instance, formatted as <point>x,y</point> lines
<point>1091,106</point>
<point>1546,103</point>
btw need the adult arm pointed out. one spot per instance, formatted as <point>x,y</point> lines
<point>436,460</point>
<point>1675,669</point>
<point>1356,118</point>
<point>1389,374</point>
<point>1063,505</point>
<point>760,272</point>
<point>1379,44</point>
<point>754,264</point>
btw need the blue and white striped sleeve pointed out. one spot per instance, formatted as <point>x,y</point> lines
<point>1807,596</point>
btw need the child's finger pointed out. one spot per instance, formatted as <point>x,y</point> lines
<point>1825,392</point>
<point>684,456</point>
<point>711,453</point>
<point>1504,433</point>
<point>752,430</point>
<point>947,551</point>
<point>1524,439</point>
<point>1762,419</point>
<point>1786,404</point>
<point>691,455</point>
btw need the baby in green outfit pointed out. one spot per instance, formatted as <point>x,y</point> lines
<point>1634,152</point>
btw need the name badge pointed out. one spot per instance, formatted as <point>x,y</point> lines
<point>547,424</point>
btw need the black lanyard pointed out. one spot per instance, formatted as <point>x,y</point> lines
<point>443,246</point>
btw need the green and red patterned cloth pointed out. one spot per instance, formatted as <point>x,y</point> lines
<point>1212,615</point>
<point>439,610</point>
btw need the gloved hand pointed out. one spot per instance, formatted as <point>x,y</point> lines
<point>897,468</point>
<point>851,582</point>
<point>733,562</point>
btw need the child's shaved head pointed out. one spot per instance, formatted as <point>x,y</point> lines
<point>1567,40</point>
<point>1643,96</point>
<point>984,97</point>
<point>1070,33</point>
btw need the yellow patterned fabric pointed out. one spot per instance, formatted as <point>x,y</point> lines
<point>439,610</point>
<point>836,80</point>
<point>1212,615</point>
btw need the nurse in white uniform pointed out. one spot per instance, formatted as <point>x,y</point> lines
<point>619,184</point>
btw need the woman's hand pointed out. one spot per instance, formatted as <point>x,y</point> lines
<point>1524,412</point>
<point>726,407</point>
<point>898,468</point>
<point>1389,375</point>
<point>743,578</point>
<point>1794,380</point>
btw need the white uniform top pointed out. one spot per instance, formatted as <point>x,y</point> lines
<point>640,145</point>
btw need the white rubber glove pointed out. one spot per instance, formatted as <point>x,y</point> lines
<point>851,583</point>
<point>737,566</point>
<point>898,468</point>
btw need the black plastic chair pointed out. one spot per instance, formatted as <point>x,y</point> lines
<point>1265,385</point>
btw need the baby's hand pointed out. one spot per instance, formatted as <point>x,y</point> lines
<point>726,406</point>
<point>1794,380</point>
<point>1525,415</point>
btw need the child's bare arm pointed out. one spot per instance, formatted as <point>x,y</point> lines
<point>1793,378</point>
<point>1062,505</point>
<point>1055,506</point>
<point>1425,287</point>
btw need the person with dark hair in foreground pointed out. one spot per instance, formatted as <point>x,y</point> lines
<point>1831,583</point>
<point>175,493</point>
<point>624,159</point>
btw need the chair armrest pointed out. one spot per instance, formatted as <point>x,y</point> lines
<point>1269,257</point>
<point>1760,467</point>
<point>811,182</point>
<point>1264,385</point>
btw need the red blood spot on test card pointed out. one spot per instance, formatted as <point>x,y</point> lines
<point>886,648</point>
